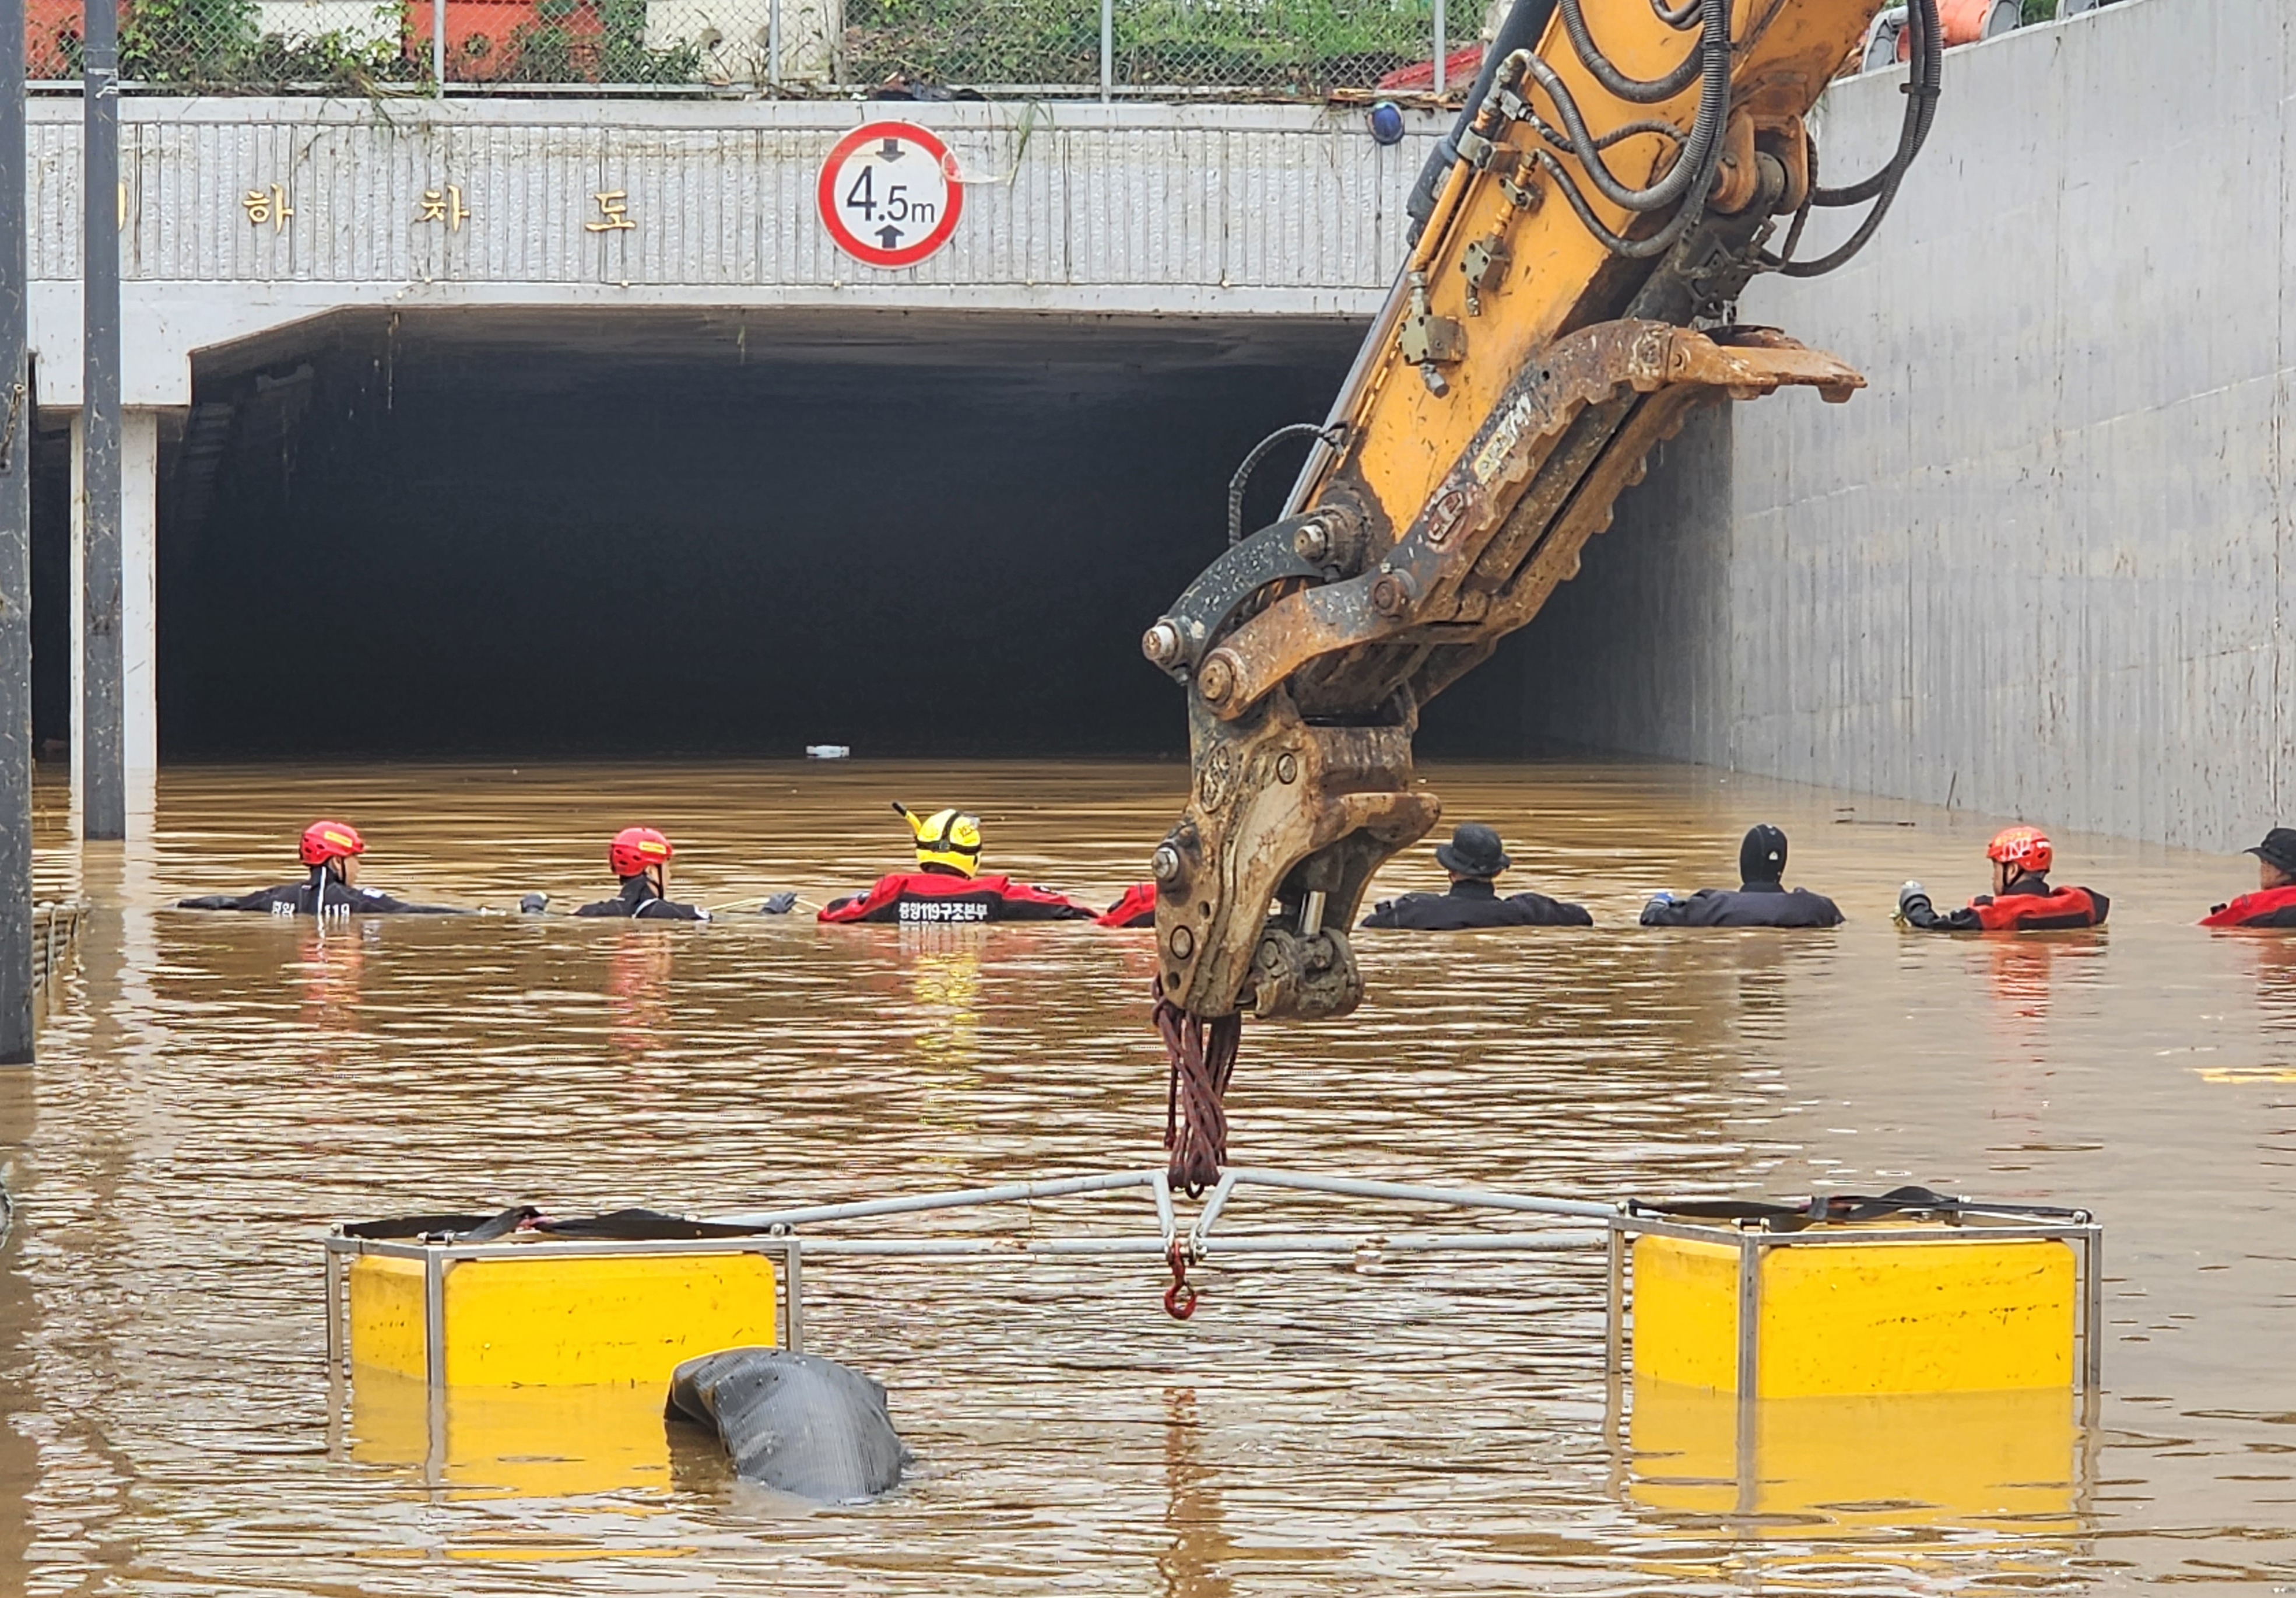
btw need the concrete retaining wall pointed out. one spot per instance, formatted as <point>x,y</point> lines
<point>2044,565</point>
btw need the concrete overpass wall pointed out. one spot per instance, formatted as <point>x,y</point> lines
<point>1203,210</point>
<point>2044,566</point>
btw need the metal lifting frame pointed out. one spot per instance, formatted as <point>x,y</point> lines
<point>780,1239</point>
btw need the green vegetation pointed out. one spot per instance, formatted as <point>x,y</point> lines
<point>206,46</point>
<point>1294,46</point>
<point>1286,47</point>
<point>579,41</point>
<point>212,45</point>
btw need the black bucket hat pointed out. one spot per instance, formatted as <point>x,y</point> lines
<point>2279,849</point>
<point>1474,851</point>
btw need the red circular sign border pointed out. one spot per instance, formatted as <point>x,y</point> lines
<point>876,255</point>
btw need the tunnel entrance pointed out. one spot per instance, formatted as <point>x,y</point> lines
<point>490,533</point>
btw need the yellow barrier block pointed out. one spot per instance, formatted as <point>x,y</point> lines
<point>1962,1316</point>
<point>554,1320</point>
<point>1825,1466</point>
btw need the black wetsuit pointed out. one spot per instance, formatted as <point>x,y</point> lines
<point>639,901</point>
<point>1472,902</point>
<point>1753,905</point>
<point>295,899</point>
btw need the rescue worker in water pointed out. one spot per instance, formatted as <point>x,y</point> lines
<point>1474,857</point>
<point>640,856</point>
<point>2022,900</point>
<point>947,886</point>
<point>1762,898</point>
<point>2274,902</point>
<point>331,850</point>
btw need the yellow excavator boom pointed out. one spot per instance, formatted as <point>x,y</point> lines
<point>1617,177</point>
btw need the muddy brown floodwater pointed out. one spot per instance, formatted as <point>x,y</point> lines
<point>214,1090</point>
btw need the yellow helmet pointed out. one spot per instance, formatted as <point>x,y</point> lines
<point>949,838</point>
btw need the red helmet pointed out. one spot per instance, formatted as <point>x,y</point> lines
<point>635,848</point>
<point>2027,848</point>
<point>324,841</point>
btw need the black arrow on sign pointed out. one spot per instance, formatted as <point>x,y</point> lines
<point>889,236</point>
<point>890,150</point>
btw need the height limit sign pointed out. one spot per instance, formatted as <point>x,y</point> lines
<point>890,195</point>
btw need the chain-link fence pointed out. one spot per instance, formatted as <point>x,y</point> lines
<point>1303,49</point>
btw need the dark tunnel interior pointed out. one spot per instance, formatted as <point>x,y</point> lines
<point>476,534</point>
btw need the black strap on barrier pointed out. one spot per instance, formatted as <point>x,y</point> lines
<point>1825,1208</point>
<point>470,1228</point>
<point>621,1226</point>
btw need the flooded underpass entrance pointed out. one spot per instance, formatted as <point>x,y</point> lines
<point>630,532</point>
<point>214,1091</point>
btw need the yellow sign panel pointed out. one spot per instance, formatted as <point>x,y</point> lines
<point>556,1321</point>
<point>1962,1316</point>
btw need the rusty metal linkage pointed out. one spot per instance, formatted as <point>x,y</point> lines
<point>1529,358</point>
<point>1301,715</point>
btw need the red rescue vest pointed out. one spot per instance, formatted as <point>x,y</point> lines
<point>2248,907</point>
<point>2037,913</point>
<point>933,897</point>
<point>1137,908</point>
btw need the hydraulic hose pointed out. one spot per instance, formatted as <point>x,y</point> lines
<point>1924,83</point>
<point>1525,20</point>
<point>1691,178</point>
<point>1924,78</point>
<point>1642,91</point>
<point>1705,137</point>
<point>1242,481</point>
<point>1625,130</point>
<point>1657,243</point>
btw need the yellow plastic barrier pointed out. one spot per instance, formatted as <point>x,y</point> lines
<point>555,1319</point>
<point>1971,1314</point>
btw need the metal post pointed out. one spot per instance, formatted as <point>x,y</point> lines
<point>335,1339</point>
<point>774,44</point>
<point>2093,1314</point>
<point>103,745</point>
<point>439,46</point>
<point>1614,1331</point>
<point>794,1258</point>
<point>1107,51</point>
<point>434,1320</point>
<point>16,935</point>
<point>1750,1314</point>
<point>1747,1463</point>
<point>1442,45</point>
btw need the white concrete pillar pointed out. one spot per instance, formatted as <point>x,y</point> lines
<point>139,607</point>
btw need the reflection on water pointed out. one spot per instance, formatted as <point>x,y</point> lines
<point>944,989</point>
<point>331,956</point>
<point>1196,1564</point>
<point>214,1090</point>
<point>1884,1492</point>
<point>501,1442</point>
<point>637,989</point>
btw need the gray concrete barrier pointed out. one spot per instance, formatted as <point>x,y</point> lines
<point>2043,566</point>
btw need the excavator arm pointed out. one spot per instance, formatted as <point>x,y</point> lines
<point>1581,238</point>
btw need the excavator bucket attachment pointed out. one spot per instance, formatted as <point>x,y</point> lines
<point>1616,179</point>
<point>1302,713</point>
